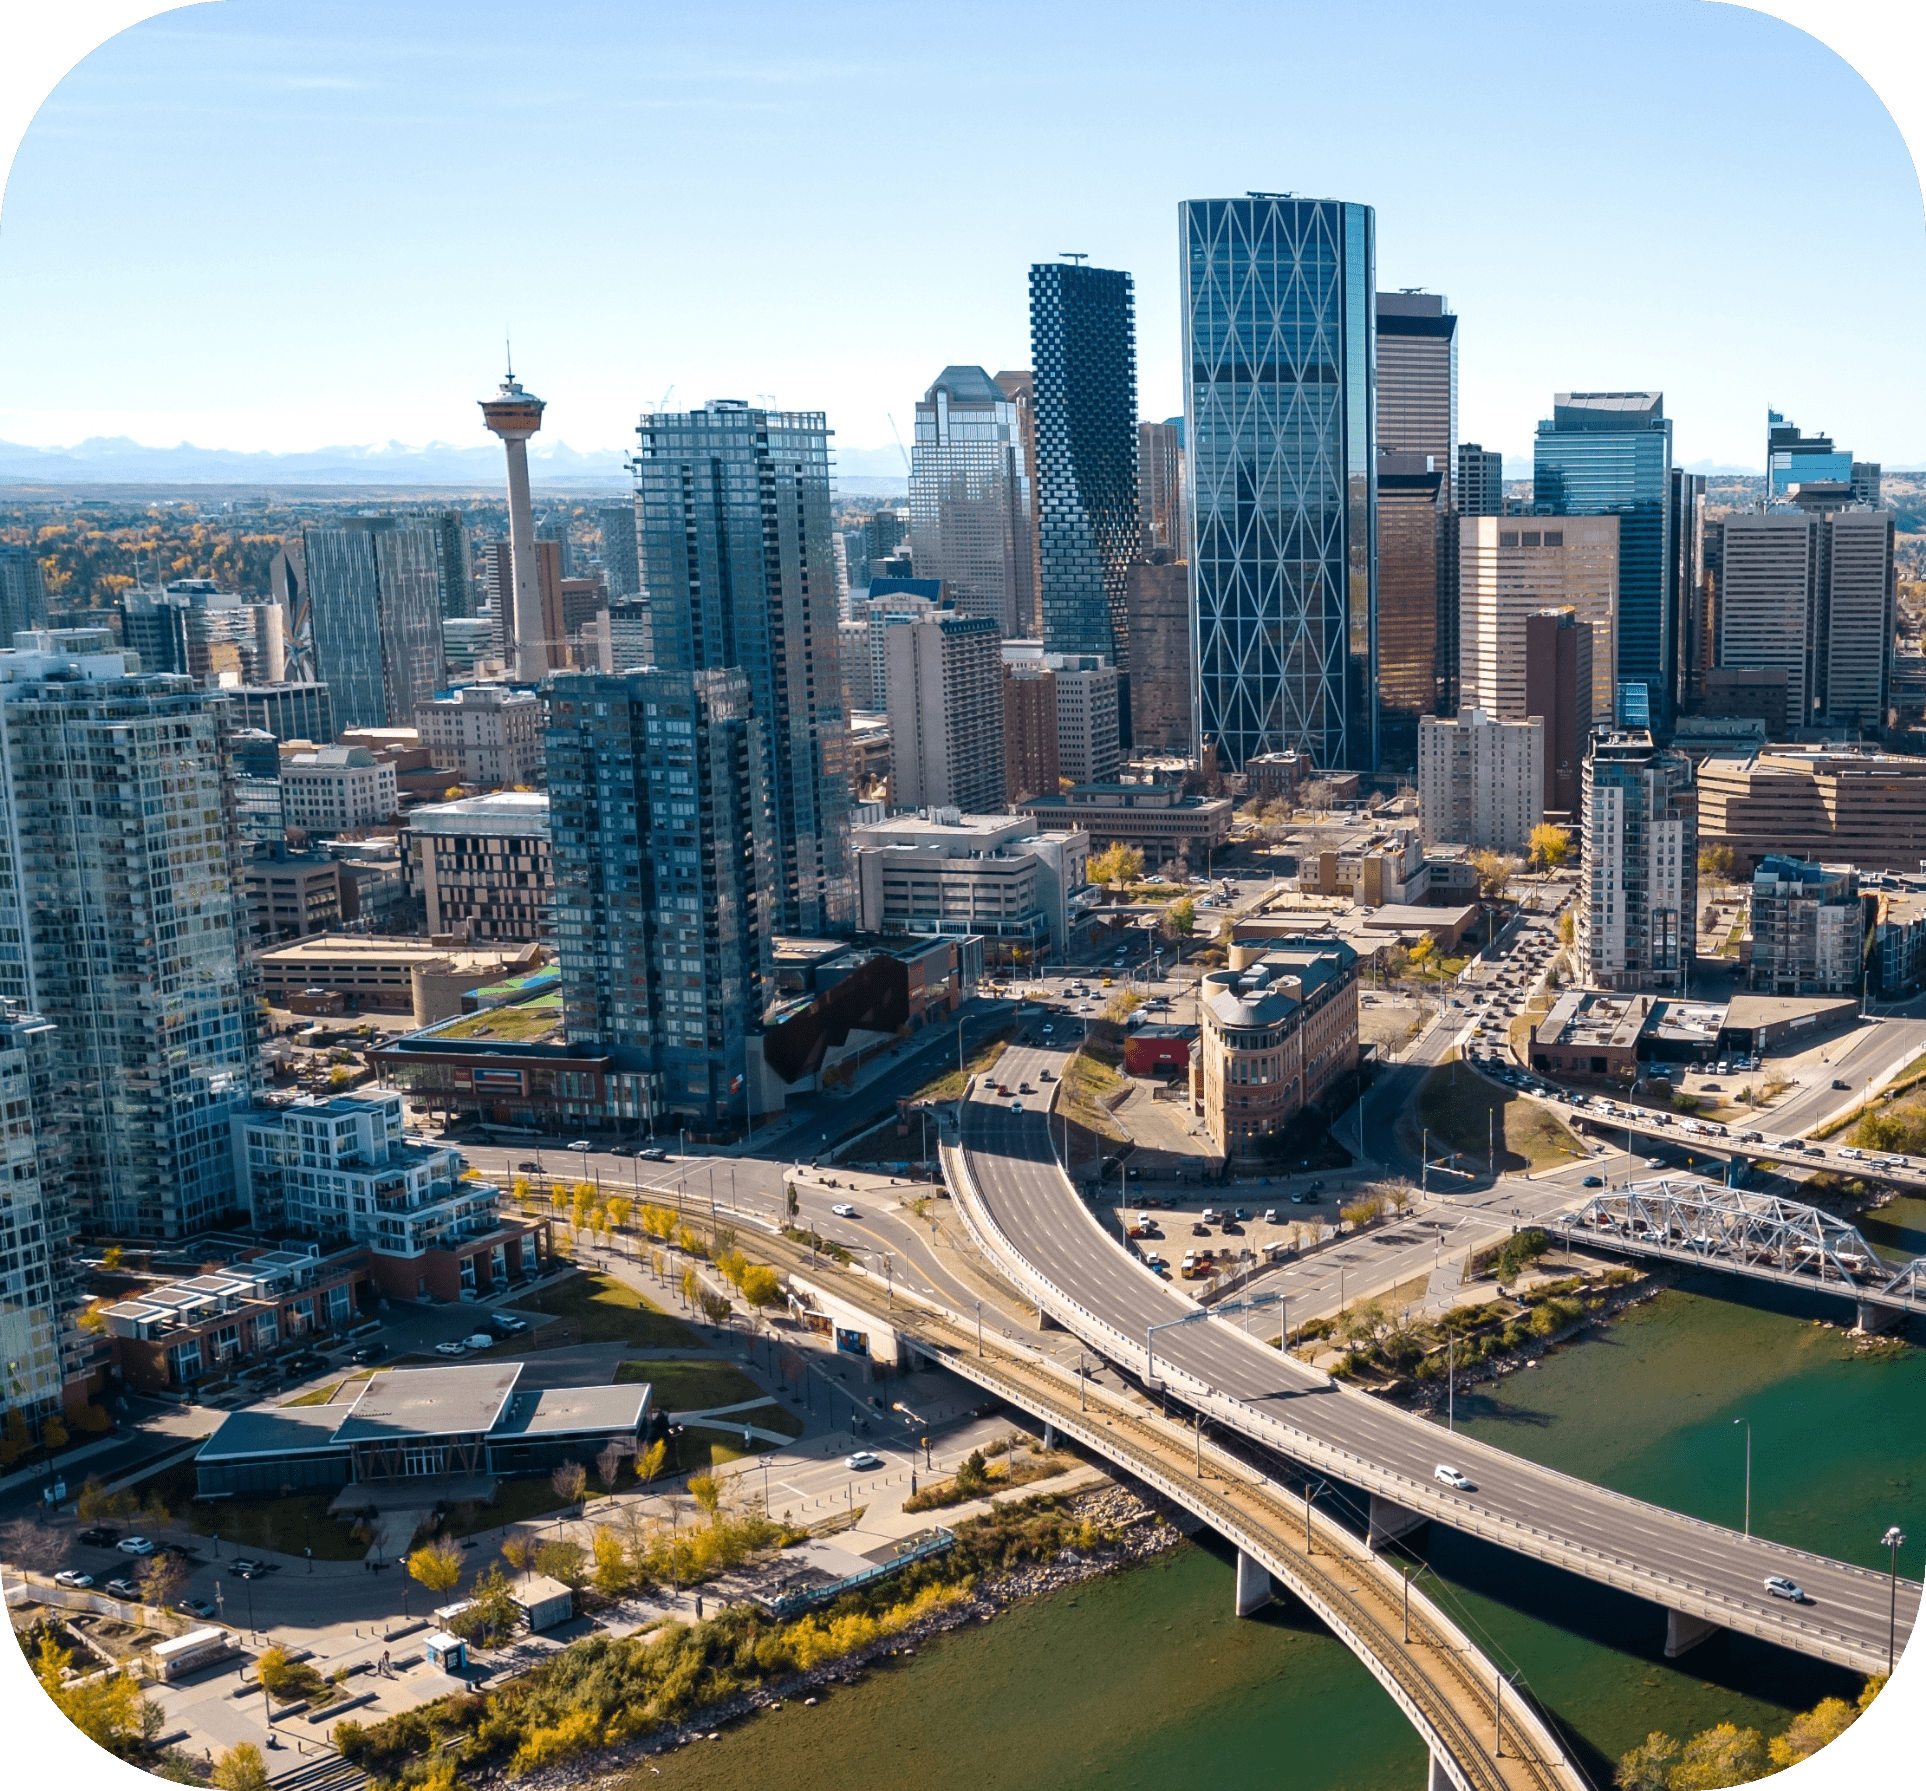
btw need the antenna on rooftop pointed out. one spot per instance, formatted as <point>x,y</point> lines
<point>1076,255</point>
<point>508,351</point>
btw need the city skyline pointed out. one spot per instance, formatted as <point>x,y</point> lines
<point>1537,319</point>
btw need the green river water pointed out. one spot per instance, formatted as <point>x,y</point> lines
<point>1146,1679</point>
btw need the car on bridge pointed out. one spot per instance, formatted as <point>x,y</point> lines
<point>1781,1587</point>
<point>1453,1478</point>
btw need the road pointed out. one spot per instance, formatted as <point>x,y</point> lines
<point>1583,1527</point>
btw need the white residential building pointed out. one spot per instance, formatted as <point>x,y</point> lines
<point>491,733</point>
<point>337,789</point>
<point>1637,893</point>
<point>1512,566</point>
<point>1088,736</point>
<point>1481,782</point>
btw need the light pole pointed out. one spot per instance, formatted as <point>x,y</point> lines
<point>1747,1422</point>
<point>1895,1540</point>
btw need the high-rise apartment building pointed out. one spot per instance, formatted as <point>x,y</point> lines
<point>1691,611</point>
<point>1610,454</point>
<point>1279,319</point>
<point>39,1285</point>
<point>1157,595</point>
<point>119,878</point>
<point>1509,568</point>
<point>1811,593</point>
<point>1160,488</point>
<point>491,734</point>
<point>734,504</point>
<point>621,564</point>
<point>1637,895</point>
<point>374,604</point>
<point>969,498</point>
<point>631,634</point>
<point>1481,782</point>
<point>664,871</point>
<point>454,565</point>
<point>1083,346</point>
<point>1480,489</point>
<point>1558,690</point>
<point>1808,928</point>
<point>23,590</point>
<point>944,692</point>
<point>1031,764</point>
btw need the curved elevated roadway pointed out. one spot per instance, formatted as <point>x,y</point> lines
<point>1007,1179</point>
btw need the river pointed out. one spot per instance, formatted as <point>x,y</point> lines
<point>1146,1679</point>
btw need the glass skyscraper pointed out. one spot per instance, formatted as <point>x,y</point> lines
<point>1280,416</point>
<point>660,837</point>
<point>741,572</point>
<point>1083,346</point>
<point>374,595</point>
<point>1610,454</point>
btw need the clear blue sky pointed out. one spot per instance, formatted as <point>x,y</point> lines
<point>290,223</point>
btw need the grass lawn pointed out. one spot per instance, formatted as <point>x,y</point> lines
<point>949,1085</point>
<point>702,1386</point>
<point>1459,1113</point>
<point>1085,1081</point>
<point>605,1310</point>
<point>515,1501</point>
<point>287,1524</point>
<point>325,1395</point>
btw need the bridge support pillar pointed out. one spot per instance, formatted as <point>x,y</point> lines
<point>1874,1318</point>
<point>1390,1520</point>
<point>1683,1632</point>
<point>1437,1778</point>
<point>1253,1585</point>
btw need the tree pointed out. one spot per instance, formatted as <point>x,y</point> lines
<point>518,1551</point>
<point>648,1464</point>
<point>1424,954</point>
<point>613,1572</point>
<point>437,1564</point>
<point>1180,918</point>
<point>568,1480</point>
<point>111,1258</point>
<point>1718,863</point>
<point>562,1560</point>
<point>690,1286</point>
<point>241,1769</point>
<point>715,1308</point>
<point>1397,1192</point>
<point>761,1286</point>
<point>1551,845</point>
<point>1567,928</point>
<point>619,1209</point>
<point>1647,1766</point>
<point>1115,864</point>
<point>1722,1755</point>
<point>706,1490</point>
<point>1495,872</point>
<point>160,1577</point>
<point>492,1611</point>
<point>1825,1722</point>
<point>608,1466</point>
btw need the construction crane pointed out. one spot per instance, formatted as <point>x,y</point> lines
<point>899,442</point>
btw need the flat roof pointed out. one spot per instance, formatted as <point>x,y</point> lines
<point>336,948</point>
<point>561,1411</point>
<point>430,1402</point>
<point>511,1022</point>
<point>505,811</point>
<point>272,1430</point>
<point>1745,1013</point>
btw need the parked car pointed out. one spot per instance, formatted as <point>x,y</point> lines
<point>123,1589</point>
<point>249,1569</point>
<point>654,1153</point>
<point>451,1349</point>
<point>197,1607</point>
<point>478,1340</point>
<point>369,1352</point>
<point>98,1538</point>
<point>135,1545</point>
<point>506,1324</point>
<point>70,1577</point>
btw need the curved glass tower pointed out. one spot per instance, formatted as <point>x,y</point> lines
<point>1280,416</point>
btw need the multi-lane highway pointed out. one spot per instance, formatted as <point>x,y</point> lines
<point>1700,1570</point>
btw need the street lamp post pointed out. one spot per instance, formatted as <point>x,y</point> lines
<point>1747,1422</point>
<point>1895,1540</point>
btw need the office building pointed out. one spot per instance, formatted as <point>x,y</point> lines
<point>1810,594</point>
<point>969,498</point>
<point>1693,610</point>
<point>547,650</point>
<point>361,973</point>
<point>290,895</point>
<point>469,644</point>
<point>621,564</point>
<point>585,623</point>
<point>1480,489</point>
<point>1280,1034</point>
<point>1752,695</point>
<point>147,898</point>
<point>337,789</point>
<point>1510,568</point>
<point>1610,454</point>
<point>454,564</point>
<point>374,608</point>
<point>1829,804</point>
<point>211,635</point>
<point>1795,458</point>
<point>482,867</point>
<point>515,415</point>
<point>944,677</point>
<point>1637,893</point>
<point>734,503</point>
<point>1157,597</point>
<point>1031,764</point>
<point>1168,827</point>
<point>1415,601</point>
<point>1558,690</point>
<point>666,872</point>
<point>631,637</point>
<point>490,734</point>
<point>1089,750</point>
<point>994,875</point>
<point>1481,782</point>
<point>1809,928</point>
<point>1160,489</point>
<point>1019,385</point>
<point>1279,319</point>
<point>23,590</point>
<point>864,657</point>
<point>289,711</point>
<point>1083,346</point>
<point>254,778</point>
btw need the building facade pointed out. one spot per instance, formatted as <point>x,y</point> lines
<point>1481,782</point>
<point>1160,489</point>
<point>23,590</point>
<point>1031,765</point>
<point>1157,595</point>
<point>290,895</point>
<point>1558,690</point>
<point>1158,820</point>
<point>1083,347</point>
<point>490,733</point>
<point>734,507</point>
<point>1826,804</point>
<point>1511,567</point>
<point>1637,896</point>
<point>621,559</point>
<point>39,1287</point>
<point>481,866</point>
<point>1480,487</point>
<point>1809,928</point>
<point>1279,318</point>
<point>337,789</point>
<point>1089,750</point>
<point>373,601</point>
<point>944,690</point>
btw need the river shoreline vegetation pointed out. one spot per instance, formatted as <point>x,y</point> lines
<point>1726,1754</point>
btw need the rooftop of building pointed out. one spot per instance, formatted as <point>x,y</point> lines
<point>490,695</point>
<point>966,385</point>
<point>944,828</point>
<point>332,949</point>
<point>504,812</point>
<point>534,1021</point>
<point>430,1402</point>
<point>1118,795</point>
<point>1779,867</point>
<point>326,758</point>
<point>566,1411</point>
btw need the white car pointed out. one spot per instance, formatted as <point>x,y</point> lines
<point>68,1576</point>
<point>843,1210</point>
<point>480,1340</point>
<point>451,1349</point>
<point>1452,1477</point>
<point>1781,1587</point>
<point>863,1462</point>
<point>579,1144</point>
<point>135,1545</point>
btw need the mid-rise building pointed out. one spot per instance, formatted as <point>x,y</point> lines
<point>1828,804</point>
<point>999,877</point>
<point>1510,568</point>
<point>1031,763</point>
<point>631,637</point>
<point>1160,490</point>
<point>1089,746</point>
<point>373,610</point>
<point>734,507</point>
<point>1280,333</point>
<point>621,560</point>
<point>945,706</point>
<point>120,883</point>
<point>1558,690</point>
<point>1610,454</point>
<point>1168,827</point>
<point>1480,488</point>
<point>291,710</point>
<point>1279,1035</point>
<point>1083,346</point>
<point>1157,596</point>
<point>39,1287</point>
<point>469,645</point>
<point>337,789</point>
<point>1809,928</point>
<point>664,877</point>
<point>193,626</point>
<point>490,733</point>
<point>290,895</point>
<point>23,589</point>
<point>1481,782</point>
<point>970,500</point>
<point>1637,900</point>
<point>1795,458</point>
<point>481,866</point>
